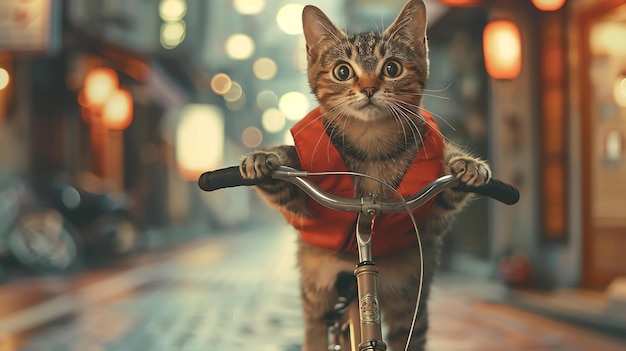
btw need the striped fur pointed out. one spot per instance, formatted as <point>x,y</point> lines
<point>373,119</point>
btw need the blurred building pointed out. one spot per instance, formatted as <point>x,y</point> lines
<point>210,81</point>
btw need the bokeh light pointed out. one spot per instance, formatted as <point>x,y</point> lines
<point>548,5</point>
<point>238,104</point>
<point>221,83</point>
<point>100,83</point>
<point>266,99</point>
<point>172,34</point>
<point>117,112</point>
<point>294,105</point>
<point>234,93</point>
<point>288,138</point>
<point>502,49</point>
<point>265,68</point>
<point>4,78</point>
<point>604,35</point>
<point>239,47</point>
<point>172,10</point>
<point>249,7</point>
<point>619,91</point>
<point>289,19</point>
<point>273,120</point>
<point>199,140</point>
<point>252,137</point>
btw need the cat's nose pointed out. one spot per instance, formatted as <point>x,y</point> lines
<point>369,91</point>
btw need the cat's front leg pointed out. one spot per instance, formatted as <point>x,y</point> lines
<point>279,194</point>
<point>470,171</point>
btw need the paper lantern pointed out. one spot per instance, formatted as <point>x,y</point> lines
<point>100,83</point>
<point>548,5</point>
<point>117,112</point>
<point>502,47</point>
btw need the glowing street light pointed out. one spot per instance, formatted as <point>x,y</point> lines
<point>4,78</point>
<point>100,83</point>
<point>117,112</point>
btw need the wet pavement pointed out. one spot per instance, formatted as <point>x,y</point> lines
<point>239,291</point>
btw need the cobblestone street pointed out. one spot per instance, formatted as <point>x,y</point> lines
<point>239,291</point>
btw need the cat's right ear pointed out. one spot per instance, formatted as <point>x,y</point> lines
<point>317,28</point>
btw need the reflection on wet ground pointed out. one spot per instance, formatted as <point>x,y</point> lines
<point>239,292</point>
<point>198,298</point>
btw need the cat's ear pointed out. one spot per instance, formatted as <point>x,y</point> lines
<point>317,28</point>
<point>410,24</point>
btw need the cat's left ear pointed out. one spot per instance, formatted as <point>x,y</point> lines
<point>410,24</point>
<point>317,28</point>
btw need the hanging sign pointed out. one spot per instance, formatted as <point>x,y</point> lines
<point>29,25</point>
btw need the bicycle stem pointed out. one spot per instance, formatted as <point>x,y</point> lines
<point>367,275</point>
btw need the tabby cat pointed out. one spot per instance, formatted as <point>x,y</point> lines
<point>370,88</point>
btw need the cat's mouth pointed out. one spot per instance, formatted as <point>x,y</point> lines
<point>369,111</point>
<point>369,104</point>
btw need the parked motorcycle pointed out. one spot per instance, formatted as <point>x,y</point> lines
<point>107,228</point>
<point>35,235</point>
<point>63,226</point>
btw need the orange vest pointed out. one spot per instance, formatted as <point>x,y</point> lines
<point>335,230</point>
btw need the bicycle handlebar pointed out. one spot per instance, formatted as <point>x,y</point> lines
<point>231,177</point>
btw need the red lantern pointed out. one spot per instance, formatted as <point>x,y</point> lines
<point>100,83</point>
<point>548,5</point>
<point>117,112</point>
<point>502,47</point>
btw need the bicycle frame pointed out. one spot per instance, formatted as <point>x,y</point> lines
<point>366,335</point>
<point>369,333</point>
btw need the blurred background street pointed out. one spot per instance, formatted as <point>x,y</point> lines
<point>110,110</point>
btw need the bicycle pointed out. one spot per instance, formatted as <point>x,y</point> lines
<point>360,315</point>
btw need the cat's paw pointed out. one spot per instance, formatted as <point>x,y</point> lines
<point>259,164</point>
<point>470,171</point>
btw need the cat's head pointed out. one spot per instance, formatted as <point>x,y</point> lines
<point>361,75</point>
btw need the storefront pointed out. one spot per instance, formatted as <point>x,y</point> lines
<point>556,131</point>
<point>567,107</point>
<point>601,102</point>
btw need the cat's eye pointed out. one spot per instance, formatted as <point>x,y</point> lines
<point>343,72</point>
<point>392,69</point>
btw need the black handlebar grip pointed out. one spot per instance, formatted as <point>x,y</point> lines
<point>495,189</point>
<point>224,178</point>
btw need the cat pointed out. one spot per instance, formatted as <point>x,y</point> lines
<point>370,88</point>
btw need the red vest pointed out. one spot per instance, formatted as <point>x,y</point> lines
<point>335,230</point>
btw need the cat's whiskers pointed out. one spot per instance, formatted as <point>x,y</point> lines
<point>398,121</point>
<point>412,123</point>
<point>393,110</point>
<point>438,116</point>
<point>333,111</point>
<point>439,90</point>
<point>330,138</point>
<point>427,123</point>
<point>420,108</point>
<point>308,124</point>
<point>430,95</point>
<point>376,25</point>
